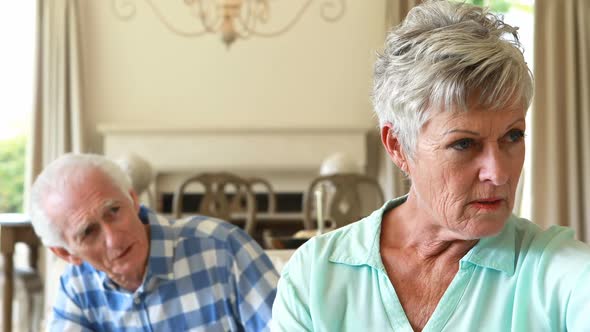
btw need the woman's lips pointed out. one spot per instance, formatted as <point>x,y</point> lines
<point>488,204</point>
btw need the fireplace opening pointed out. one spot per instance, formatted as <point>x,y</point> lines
<point>287,202</point>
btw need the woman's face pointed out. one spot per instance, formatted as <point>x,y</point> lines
<point>466,168</point>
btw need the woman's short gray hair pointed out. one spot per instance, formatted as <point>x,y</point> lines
<point>440,56</point>
<point>59,174</point>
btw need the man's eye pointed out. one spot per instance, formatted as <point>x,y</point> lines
<point>462,144</point>
<point>515,135</point>
<point>88,232</point>
<point>115,209</point>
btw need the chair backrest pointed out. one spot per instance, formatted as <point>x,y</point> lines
<point>345,197</point>
<point>260,185</point>
<point>224,194</point>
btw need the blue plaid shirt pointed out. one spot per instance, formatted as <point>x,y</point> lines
<point>203,274</point>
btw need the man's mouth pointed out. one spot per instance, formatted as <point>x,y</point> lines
<point>124,253</point>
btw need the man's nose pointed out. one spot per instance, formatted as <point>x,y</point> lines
<point>114,239</point>
<point>495,166</point>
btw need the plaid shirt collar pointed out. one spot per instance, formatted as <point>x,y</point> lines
<point>161,258</point>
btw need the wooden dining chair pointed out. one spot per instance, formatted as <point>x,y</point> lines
<point>271,223</point>
<point>224,195</point>
<point>347,197</point>
<point>259,185</point>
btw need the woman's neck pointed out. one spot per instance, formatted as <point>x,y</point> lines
<point>409,228</point>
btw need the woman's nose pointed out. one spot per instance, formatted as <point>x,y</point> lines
<point>495,167</point>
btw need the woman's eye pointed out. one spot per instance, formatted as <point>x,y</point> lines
<point>515,135</point>
<point>115,209</point>
<point>463,144</point>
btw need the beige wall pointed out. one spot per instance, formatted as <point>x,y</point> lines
<point>318,74</point>
<point>137,72</point>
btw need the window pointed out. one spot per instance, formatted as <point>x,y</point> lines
<point>17,86</point>
<point>520,13</point>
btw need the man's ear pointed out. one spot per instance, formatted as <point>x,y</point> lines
<point>65,255</point>
<point>393,147</point>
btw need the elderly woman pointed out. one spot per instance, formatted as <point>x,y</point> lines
<point>451,92</point>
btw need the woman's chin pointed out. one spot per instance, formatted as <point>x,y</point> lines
<point>489,225</point>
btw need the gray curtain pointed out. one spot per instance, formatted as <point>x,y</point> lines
<point>57,115</point>
<point>561,115</point>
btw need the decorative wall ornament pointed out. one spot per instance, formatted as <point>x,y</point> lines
<point>232,18</point>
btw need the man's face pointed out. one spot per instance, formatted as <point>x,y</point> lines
<point>100,225</point>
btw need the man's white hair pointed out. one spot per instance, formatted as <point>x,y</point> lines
<point>61,173</point>
<point>442,55</point>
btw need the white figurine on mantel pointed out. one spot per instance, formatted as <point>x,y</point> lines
<point>339,163</point>
<point>140,172</point>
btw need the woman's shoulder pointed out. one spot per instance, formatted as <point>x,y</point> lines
<point>550,236</point>
<point>320,251</point>
<point>553,246</point>
<point>319,246</point>
<point>554,268</point>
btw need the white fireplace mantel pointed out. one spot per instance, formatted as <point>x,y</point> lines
<point>288,157</point>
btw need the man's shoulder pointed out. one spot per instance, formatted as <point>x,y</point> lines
<point>195,234</point>
<point>81,278</point>
<point>193,227</point>
<point>83,270</point>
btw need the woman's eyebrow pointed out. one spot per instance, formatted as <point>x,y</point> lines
<point>515,122</point>
<point>463,131</point>
<point>470,132</point>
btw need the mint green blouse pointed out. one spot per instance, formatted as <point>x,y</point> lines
<point>524,279</point>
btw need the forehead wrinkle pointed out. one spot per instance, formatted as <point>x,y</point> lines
<point>103,208</point>
<point>449,118</point>
<point>515,122</point>
<point>94,214</point>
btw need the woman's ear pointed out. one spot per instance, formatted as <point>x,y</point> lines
<point>393,147</point>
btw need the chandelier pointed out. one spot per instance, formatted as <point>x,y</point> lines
<point>232,19</point>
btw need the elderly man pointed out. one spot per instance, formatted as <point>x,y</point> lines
<point>133,270</point>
